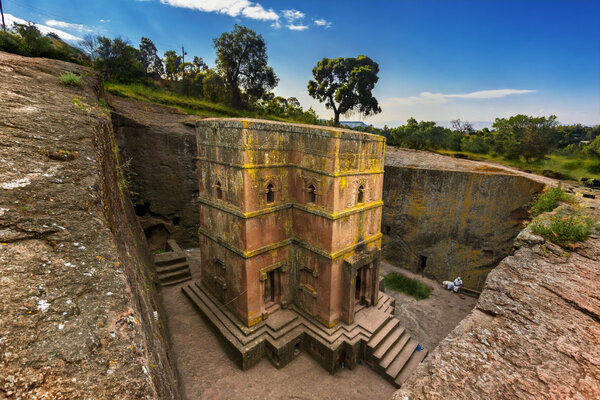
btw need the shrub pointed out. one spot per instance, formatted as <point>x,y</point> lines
<point>563,229</point>
<point>549,200</point>
<point>412,287</point>
<point>571,165</point>
<point>594,168</point>
<point>71,79</point>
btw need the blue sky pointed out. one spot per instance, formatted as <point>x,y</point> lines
<point>439,60</point>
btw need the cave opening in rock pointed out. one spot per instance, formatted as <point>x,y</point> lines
<point>157,237</point>
<point>422,264</point>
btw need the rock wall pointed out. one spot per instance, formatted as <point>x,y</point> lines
<point>77,310</point>
<point>534,334</point>
<point>453,218</point>
<point>159,154</point>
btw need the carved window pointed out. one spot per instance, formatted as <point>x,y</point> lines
<point>312,196</point>
<point>219,268</point>
<point>270,193</point>
<point>361,194</point>
<point>219,190</point>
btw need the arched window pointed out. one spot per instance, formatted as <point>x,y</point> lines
<point>219,191</point>
<point>361,194</point>
<point>312,196</point>
<point>270,193</point>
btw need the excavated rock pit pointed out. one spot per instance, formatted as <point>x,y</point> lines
<point>534,333</point>
<point>82,316</point>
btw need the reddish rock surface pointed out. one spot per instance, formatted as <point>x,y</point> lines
<point>72,320</point>
<point>535,333</point>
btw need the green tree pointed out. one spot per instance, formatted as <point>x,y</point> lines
<point>242,62</point>
<point>149,58</point>
<point>172,64</point>
<point>118,61</point>
<point>524,136</point>
<point>345,85</point>
<point>213,87</point>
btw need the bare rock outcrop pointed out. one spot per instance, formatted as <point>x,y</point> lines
<point>76,310</point>
<point>446,217</point>
<point>535,332</point>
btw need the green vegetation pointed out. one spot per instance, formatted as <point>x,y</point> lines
<point>242,63</point>
<point>537,144</point>
<point>563,229</point>
<point>345,84</point>
<point>576,167</point>
<point>76,101</point>
<point>412,287</point>
<point>195,106</point>
<point>27,40</point>
<point>71,79</point>
<point>549,200</point>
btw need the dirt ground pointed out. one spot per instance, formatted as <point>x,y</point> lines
<point>432,319</point>
<point>207,373</point>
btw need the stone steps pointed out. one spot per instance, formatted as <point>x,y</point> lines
<point>172,267</point>
<point>380,335</point>
<point>393,353</point>
<point>389,348</point>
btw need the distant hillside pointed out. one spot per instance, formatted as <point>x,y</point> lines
<point>354,124</point>
<point>28,41</point>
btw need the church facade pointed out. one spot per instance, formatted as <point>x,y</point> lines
<point>289,217</point>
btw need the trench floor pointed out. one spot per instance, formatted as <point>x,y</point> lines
<point>206,372</point>
<point>429,320</point>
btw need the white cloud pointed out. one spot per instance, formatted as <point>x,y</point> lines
<point>257,11</point>
<point>11,19</point>
<point>105,20</point>
<point>292,15</point>
<point>427,97</point>
<point>232,8</point>
<point>66,25</point>
<point>322,22</point>
<point>293,27</point>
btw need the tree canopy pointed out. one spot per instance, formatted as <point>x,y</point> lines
<point>149,58</point>
<point>345,85</point>
<point>117,60</point>
<point>524,136</point>
<point>242,62</point>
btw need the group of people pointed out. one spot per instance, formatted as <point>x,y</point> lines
<point>453,285</point>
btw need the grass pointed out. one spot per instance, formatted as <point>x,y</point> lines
<point>564,230</point>
<point>412,287</point>
<point>71,79</point>
<point>570,167</point>
<point>549,200</point>
<point>189,105</point>
<point>76,101</point>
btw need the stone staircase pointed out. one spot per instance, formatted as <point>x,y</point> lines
<point>388,348</point>
<point>172,267</point>
<point>393,353</point>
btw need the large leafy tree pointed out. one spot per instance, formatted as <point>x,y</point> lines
<point>524,136</point>
<point>345,85</point>
<point>149,58</point>
<point>242,62</point>
<point>117,60</point>
<point>172,64</point>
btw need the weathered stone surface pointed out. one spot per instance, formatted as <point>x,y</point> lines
<point>75,315</point>
<point>159,152</point>
<point>446,217</point>
<point>289,214</point>
<point>535,333</point>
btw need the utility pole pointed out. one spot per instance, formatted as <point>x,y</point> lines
<point>2,12</point>
<point>183,53</point>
